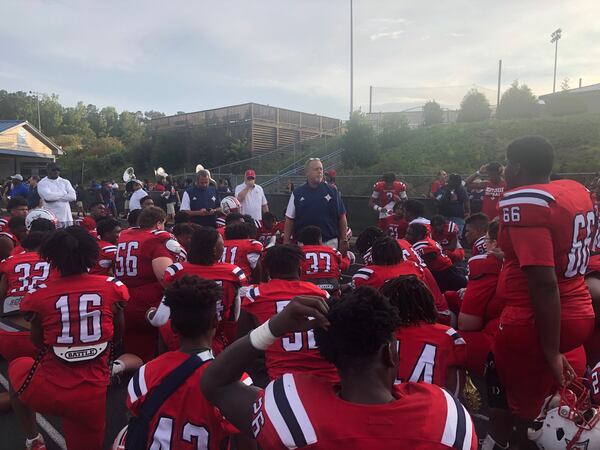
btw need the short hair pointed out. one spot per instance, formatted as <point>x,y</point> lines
<point>184,229</point>
<point>147,197</point>
<point>419,230</point>
<point>35,177</point>
<point>34,239</point>
<point>17,224</point>
<point>386,252</point>
<point>193,303</point>
<point>41,224</point>
<point>268,215</point>
<point>133,217</point>
<point>202,246</point>
<point>454,181</point>
<point>412,299</point>
<point>310,235</point>
<point>438,219</point>
<point>365,240</point>
<point>478,220</point>
<point>493,229</point>
<point>15,202</point>
<point>414,207</point>
<point>71,250</point>
<point>283,260</point>
<point>233,217</point>
<point>494,167</point>
<point>203,173</point>
<point>389,177</point>
<point>534,153</point>
<point>150,216</point>
<point>181,217</point>
<point>310,160</point>
<point>106,225</point>
<point>252,228</point>
<point>94,204</point>
<point>237,231</point>
<point>360,324</point>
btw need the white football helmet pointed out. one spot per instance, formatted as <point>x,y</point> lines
<point>39,213</point>
<point>230,204</point>
<point>567,421</point>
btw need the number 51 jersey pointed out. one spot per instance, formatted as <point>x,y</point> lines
<point>548,225</point>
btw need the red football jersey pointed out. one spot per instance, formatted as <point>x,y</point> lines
<point>11,236</point>
<point>594,264</point>
<point>492,193</point>
<point>440,261</point>
<point>264,234</point>
<point>375,276</point>
<point>407,251</point>
<point>547,225</point>
<point>387,196</point>
<point>448,235</point>
<point>479,246</point>
<point>595,383</point>
<point>76,311</point>
<point>480,294</point>
<point>427,351</point>
<point>135,251</point>
<point>186,420</point>
<point>24,271</point>
<point>244,253</point>
<point>294,352</point>
<point>106,259</point>
<point>302,411</point>
<point>322,261</point>
<point>395,227</point>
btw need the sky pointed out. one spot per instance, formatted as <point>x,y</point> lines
<point>190,55</point>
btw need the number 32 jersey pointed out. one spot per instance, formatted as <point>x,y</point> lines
<point>548,225</point>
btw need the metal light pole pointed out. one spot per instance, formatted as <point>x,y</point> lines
<point>37,97</point>
<point>556,35</point>
<point>351,59</point>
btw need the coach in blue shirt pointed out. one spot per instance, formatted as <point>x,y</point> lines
<point>319,204</point>
<point>201,202</point>
<point>19,189</point>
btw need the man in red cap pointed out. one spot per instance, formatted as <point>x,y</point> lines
<point>251,196</point>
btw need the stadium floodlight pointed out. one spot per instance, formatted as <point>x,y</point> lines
<point>37,97</point>
<point>556,35</point>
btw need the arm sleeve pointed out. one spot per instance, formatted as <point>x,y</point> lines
<point>162,315</point>
<point>185,202</point>
<point>46,193</point>
<point>290,212</point>
<point>532,246</point>
<point>71,196</point>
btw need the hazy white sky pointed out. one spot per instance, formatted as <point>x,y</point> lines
<point>189,55</point>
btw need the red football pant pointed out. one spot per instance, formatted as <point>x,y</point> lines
<point>522,368</point>
<point>14,344</point>
<point>83,409</point>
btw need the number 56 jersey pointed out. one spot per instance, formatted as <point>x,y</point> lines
<point>548,225</point>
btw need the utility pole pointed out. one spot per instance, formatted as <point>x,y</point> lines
<point>37,97</point>
<point>351,59</point>
<point>499,82</point>
<point>370,99</point>
<point>556,35</point>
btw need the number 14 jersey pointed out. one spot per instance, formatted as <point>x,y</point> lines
<point>548,225</point>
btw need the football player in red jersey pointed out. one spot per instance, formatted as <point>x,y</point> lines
<point>143,254</point>
<point>322,265</point>
<point>493,187</point>
<point>386,194</point>
<point>16,207</point>
<point>480,308</point>
<point>269,231</point>
<point>206,248</point>
<point>108,231</point>
<point>185,420</point>
<point>447,276</point>
<point>395,225</point>
<point>10,239</point>
<point>74,321</point>
<point>294,352</point>
<point>98,211</point>
<point>545,234</point>
<point>242,250</point>
<point>365,411</point>
<point>414,212</point>
<point>445,233</point>
<point>476,227</point>
<point>428,351</point>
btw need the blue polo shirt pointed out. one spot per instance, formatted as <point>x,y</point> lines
<point>21,190</point>
<point>321,206</point>
<point>203,198</point>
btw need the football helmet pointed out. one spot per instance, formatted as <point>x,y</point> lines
<point>567,420</point>
<point>230,204</point>
<point>39,213</point>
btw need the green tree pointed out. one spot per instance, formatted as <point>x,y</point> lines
<point>394,130</point>
<point>432,113</point>
<point>96,120</point>
<point>518,102</point>
<point>474,107</point>
<point>51,114</point>
<point>359,143</point>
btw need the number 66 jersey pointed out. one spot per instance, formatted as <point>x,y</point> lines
<point>548,225</point>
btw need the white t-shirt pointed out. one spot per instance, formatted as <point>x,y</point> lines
<point>134,201</point>
<point>253,202</point>
<point>56,195</point>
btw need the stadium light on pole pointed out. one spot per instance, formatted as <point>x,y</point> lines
<point>351,59</point>
<point>556,35</point>
<point>37,97</point>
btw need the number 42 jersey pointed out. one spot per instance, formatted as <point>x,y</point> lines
<point>548,225</point>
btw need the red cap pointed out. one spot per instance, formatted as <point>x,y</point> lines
<point>250,173</point>
<point>331,173</point>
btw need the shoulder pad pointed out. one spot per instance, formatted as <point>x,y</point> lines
<point>173,246</point>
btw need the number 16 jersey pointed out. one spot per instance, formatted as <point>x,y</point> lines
<point>548,225</point>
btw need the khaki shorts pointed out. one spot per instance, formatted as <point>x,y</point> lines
<point>171,209</point>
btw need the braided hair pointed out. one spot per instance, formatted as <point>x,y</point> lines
<point>386,252</point>
<point>283,260</point>
<point>71,250</point>
<point>202,246</point>
<point>412,300</point>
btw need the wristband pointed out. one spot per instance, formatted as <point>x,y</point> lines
<point>261,338</point>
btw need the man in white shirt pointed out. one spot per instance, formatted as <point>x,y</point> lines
<point>251,196</point>
<point>56,193</point>
<point>138,194</point>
